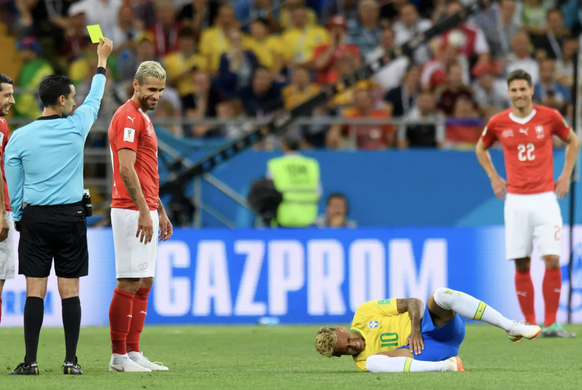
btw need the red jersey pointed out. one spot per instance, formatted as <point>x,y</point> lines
<point>329,75</point>
<point>131,128</point>
<point>527,147</point>
<point>3,142</point>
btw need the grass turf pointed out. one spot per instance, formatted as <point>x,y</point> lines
<point>283,357</point>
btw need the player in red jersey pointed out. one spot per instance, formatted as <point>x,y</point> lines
<point>6,225</point>
<point>531,209</point>
<point>135,211</point>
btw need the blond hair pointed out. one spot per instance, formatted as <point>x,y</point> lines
<point>149,69</point>
<point>326,341</point>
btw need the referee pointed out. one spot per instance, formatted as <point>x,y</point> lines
<point>44,172</point>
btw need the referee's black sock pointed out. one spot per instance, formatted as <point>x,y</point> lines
<point>33,315</point>
<point>72,326</point>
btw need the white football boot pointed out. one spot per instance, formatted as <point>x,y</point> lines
<point>521,330</point>
<point>122,363</point>
<point>139,358</point>
<point>454,364</point>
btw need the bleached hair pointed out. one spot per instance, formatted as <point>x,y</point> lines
<point>326,341</point>
<point>149,69</point>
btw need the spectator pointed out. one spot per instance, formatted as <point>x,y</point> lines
<point>165,30</point>
<point>326,55</point>
<point>392,74</point>
<point>534,16</point>
<point>336,212</point>
<point>300,39</point>
<point>290,5</point>
<point>521,59</point>
<point>33,70</point>
<point>268,48</point>
<point>434,72</point>
<point>499,26</point>
<point>125,31</point>
<point>471,40</point>
<point>205,99</point>
<point>214,40</point>
<point>431,134</point>
<point>365,137</point>
<point>105,13</point>
<point>572,16</point>
<point>408,26</point>
<point>237,66</point>
<point>145,51</point>
<point>198,14</point>
<point>346,66</point>
<point>83,67</point>
<point>551,42</point>
<point>230,110</point>
<point>249,10</point>
<point>365,31</point>
<point>76,33</point>
<point>464,131</point>
<point>453,90</point>
<point>390,10</point>
<point>401,99</point>
<point>314,135</point>
<point>347,8</point>
<point>180,66</point>
<point>565,65</point>
<point>490,93</point>
<point>548,92</point>
<point>262,97</point>
<point>300,89</point>
<point>165,110</point>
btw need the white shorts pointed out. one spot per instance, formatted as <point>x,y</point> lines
<point>529,217</point>
<point>133,259</point>
<point>7,251</point>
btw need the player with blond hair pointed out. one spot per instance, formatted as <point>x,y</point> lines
<point>400,335</point>
<point>136,210</point>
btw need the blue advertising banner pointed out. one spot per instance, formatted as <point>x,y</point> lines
<point>304,276</point>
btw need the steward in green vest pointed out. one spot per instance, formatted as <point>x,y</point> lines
<point>297,178</point>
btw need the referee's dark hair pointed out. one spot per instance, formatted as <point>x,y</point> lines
<point>5,80</point>
<point>52,88</point>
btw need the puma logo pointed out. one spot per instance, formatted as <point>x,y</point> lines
<point>145,313</point>
<point>524,131</point>
<point>522,293</point>
<point>130,118</point>
<point>129,315</point>
<point>558,290</point>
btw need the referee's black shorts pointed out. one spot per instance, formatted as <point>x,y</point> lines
<point>58,232</point>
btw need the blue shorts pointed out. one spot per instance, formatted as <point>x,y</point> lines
<point>440,343</point>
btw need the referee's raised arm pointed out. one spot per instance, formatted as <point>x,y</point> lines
<point>86,114</point>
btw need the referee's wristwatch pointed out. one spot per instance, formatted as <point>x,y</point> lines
<point>17,225</point>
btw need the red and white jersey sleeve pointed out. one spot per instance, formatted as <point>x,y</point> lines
<point>527,147</point>
<point>4,134</point>
<point>132,129</point>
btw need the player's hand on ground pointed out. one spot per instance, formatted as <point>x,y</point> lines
<point>415,342</point>
<point>145,227</point>
<point>166,229</point>
<point>4,229</point>
<point>562,186</point>
<point>499,187</point>
<point>105,48</point>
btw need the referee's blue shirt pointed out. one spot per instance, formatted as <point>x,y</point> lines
<point>43,160</point>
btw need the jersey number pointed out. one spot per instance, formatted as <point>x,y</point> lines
<point>526,152</point>
<point>389,340</point>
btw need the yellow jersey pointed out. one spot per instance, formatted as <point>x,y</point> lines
<point>299,44</point>
<point>267,50</point>
<point>293,97</point>
<point>176,64</point>
<point>213,43</point>
<point>383,328</point>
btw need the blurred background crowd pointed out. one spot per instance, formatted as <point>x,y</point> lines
<point>252,58</point>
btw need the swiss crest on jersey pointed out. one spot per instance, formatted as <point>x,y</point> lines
<point>539,132</point>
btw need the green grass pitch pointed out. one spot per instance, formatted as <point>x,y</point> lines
<point>283,357</point>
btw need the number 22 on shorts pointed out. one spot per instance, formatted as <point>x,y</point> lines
<point>526,152</point>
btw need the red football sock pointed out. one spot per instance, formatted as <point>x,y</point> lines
<point>552,287</point>
<point>140,307</point>
<point>525,295</point>
<point>120,313</point>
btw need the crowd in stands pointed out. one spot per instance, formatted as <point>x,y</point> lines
<point>253,58</point>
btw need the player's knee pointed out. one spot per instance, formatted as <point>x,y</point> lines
<point>129,285</point>
<point>376,363</point>
<point>523,265</point>
<point>146,283</point>
<point>552,261</point>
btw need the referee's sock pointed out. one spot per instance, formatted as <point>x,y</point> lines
<point>33,316</point>
<point>72,325</point>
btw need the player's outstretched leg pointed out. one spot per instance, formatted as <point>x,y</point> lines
<point>383,363</point>
<point>140,307</point>
<point>474,309</point>
<point>551,288</point>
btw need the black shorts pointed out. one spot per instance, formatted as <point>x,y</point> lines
<point>58,232</point>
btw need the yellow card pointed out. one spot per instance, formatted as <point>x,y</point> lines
<point>95,33</point>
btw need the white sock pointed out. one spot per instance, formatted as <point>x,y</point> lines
<point>383,363</point>
<point>470,307</point>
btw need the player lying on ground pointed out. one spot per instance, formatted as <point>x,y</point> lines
<point>393,335</point>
